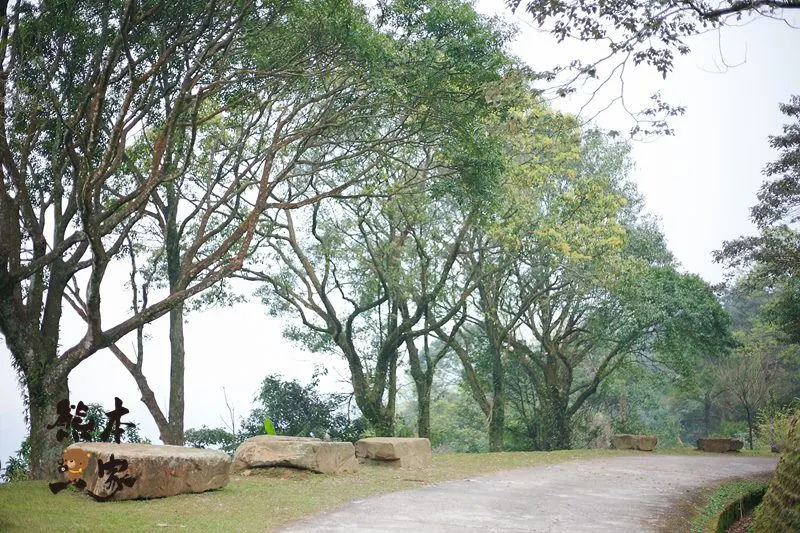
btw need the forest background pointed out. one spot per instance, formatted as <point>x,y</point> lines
<point>700,182</point>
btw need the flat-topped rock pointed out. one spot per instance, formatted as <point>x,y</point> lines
<point>624,441</point>
<point>150,470</point>
<point>306,453</point>
<point>719,445</point>
<point>397,452</point>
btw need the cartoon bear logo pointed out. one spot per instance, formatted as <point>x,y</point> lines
<point>74,462</point>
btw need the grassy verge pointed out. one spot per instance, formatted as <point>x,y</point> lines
<point>261,502</point>
<point>694,451</point>
<point>725,504</point>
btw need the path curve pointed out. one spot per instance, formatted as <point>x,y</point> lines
<point>613,494</point>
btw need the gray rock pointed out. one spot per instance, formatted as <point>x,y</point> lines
<point>295,452</point>
<point>719,445</point>
<point>645,443</point>
<point>395,452</point>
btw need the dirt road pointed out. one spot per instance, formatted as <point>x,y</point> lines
<point>615,494</point>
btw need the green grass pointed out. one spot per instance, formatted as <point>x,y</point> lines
<point>259,502</point>
<point>709,518</point>
<point>694,451</point>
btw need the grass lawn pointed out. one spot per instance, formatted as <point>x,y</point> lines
<point>763,452</point>
<point>259,502</point>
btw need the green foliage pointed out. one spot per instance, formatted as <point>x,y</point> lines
<point>774,424</point>
<point>216,438</point>
<point>771,256</point>
<point>18,465</point>
<point>284,408</point>
<point>639,400</point>
<point>726,504</point>
<point>783,309</point>
<point>300,411</point>
<point>96,413</point>
<point>731,429</point>
<point>457,425</point>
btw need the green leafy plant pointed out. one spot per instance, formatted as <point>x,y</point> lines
<point>216,438</point>
<point>726,503</point>
<point>97,414</point>
<point>18,466</point>
<point>289,408</point>
<point>774,424</point>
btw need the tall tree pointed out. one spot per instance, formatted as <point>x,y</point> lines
<point>538,206</point>
<point>774,259</point>
<point>773,256</point>
<point>341,269</point>
<point>366,278</point>
<point>79,84</point>
<point>574,340</point>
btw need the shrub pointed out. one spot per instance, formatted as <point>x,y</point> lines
<point>216,438</point>
<point>774,424</point>
<point>18,466</point>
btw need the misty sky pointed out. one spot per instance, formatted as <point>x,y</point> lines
<point>700,183</point>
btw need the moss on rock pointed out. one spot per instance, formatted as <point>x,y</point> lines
<point>780,509</point>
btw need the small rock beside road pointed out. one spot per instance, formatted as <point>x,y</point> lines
<point>719,445</point>
<point>295,452</point>
<point>645,443</point>
<point>395,452</point>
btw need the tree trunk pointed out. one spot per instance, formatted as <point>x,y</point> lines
<point>176,377</point>
<point>44,393</point>
<point>750,428</point>
<point>424,409</point>
<point>497,417</point>
<point>172,243</point>
<point>423,381</point>
<point>707,413</point>
<point>381,422</point>
<point>379,418</point>
<point>555,432</point>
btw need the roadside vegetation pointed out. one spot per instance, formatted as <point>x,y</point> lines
<point>726,504</point>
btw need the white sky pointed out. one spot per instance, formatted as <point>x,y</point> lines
<point>701,183</point>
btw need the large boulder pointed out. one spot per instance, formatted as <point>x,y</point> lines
<point>295,452</point>
<point>395,451</point>
<point>645,443</point>
<point>719,445</point>
<point>147,470</point>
